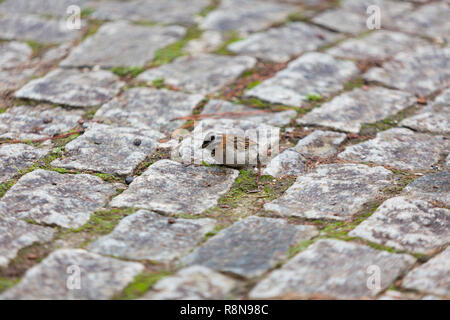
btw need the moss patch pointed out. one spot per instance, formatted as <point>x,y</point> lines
<point>175,50</point>
<point>247,197</point>
<point>6,283</point>
<point>102,222</point>
<point>230,36</point>
<point>141,284</point>
<point>132,72</point>
<point>389,122</point>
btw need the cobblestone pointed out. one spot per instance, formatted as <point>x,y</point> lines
<point>432,118</point>
<point>17,157</point>
<point>107,149</point>
<point>431,277</point>
<point>349,111</point>
<point>399,148</point>
<point>144,109</point>
<point>162,11</point>
<point>37,196</point>
<point>351,16</point>
<point>327,270</point>
<point>256,14</point>
<point>421,72</point>
<point>100,277</point>
<point>378,45</point>
<point>332,191</point>
<point>201,74</point>
<point>170,187</point>
<point>27,122</point>
<point>412,225</point>
<point>250,247</point>
<point>431,187</point>
<point>281,44</point>
<point>16,234</point>
<point>193,283</point>
<point>430,20</point>
<point>73,87</point>
<point>147,235</point>
<point>35,28</point>
<point>312,73</point>
<point>130,49</point>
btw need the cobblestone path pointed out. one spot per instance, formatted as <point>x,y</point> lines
<point>97,200</point>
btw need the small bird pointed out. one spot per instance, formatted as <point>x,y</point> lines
<point>233,151</point>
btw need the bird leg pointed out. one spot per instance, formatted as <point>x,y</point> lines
<point>258,165</point>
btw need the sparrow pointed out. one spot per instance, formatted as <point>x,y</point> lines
<point>232,151</point>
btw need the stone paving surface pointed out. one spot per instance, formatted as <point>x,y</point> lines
<point>412,225</point>
<point>399,148</point>
<point>432,118</point>
<point>281,44</point>
<point>250,247</point>
<point>130,49</point>
<point>144,108</point>
<point>326,270</point>
<point>17,157</point>
<point>171,187</point>
<point>52,198</point>
<point>107,149</point>
<point>193,283</point>
<point>332,191</point>
<point>421,72</point>
<point>35,28</point>
<point>312,73</point>
<point>101,277</point>
<point>73,87</point>
<point>28,122</point>
<point>431,277</point>
<point>201,74</point>
<point>147,235</point>
<point>378,45</point>
<point>103,178</point>
<point>16,234</point>
<point>162,11</point>
<point>258,15</point>
<point>349,111</point>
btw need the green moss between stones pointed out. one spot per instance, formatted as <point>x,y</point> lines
<point>141,284</point>
<point>299,247</point>
<point>127,71</point>
<point>230,36</point>
<point>175,50</point>
<point>2,110</point>
<point>102,222</point>
<point>212,6</point>
<point>6,283</point>
<point>86,12</point>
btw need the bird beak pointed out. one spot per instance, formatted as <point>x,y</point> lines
<point>205,144</point>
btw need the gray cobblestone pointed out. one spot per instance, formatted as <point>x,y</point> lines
<point>170,187</point>
<point>37,196</point>
<point>133,45</point>
<point>147,235</point>
<point>250,247</point>
<point>332,191</point>
<point>312,73</point>
<point>399,148</point>
<point>327,269</point>
<point>201,74</point>
<point>100,277</point>
<point>73,87</point>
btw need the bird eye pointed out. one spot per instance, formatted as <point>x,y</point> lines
<point>212,138</point>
